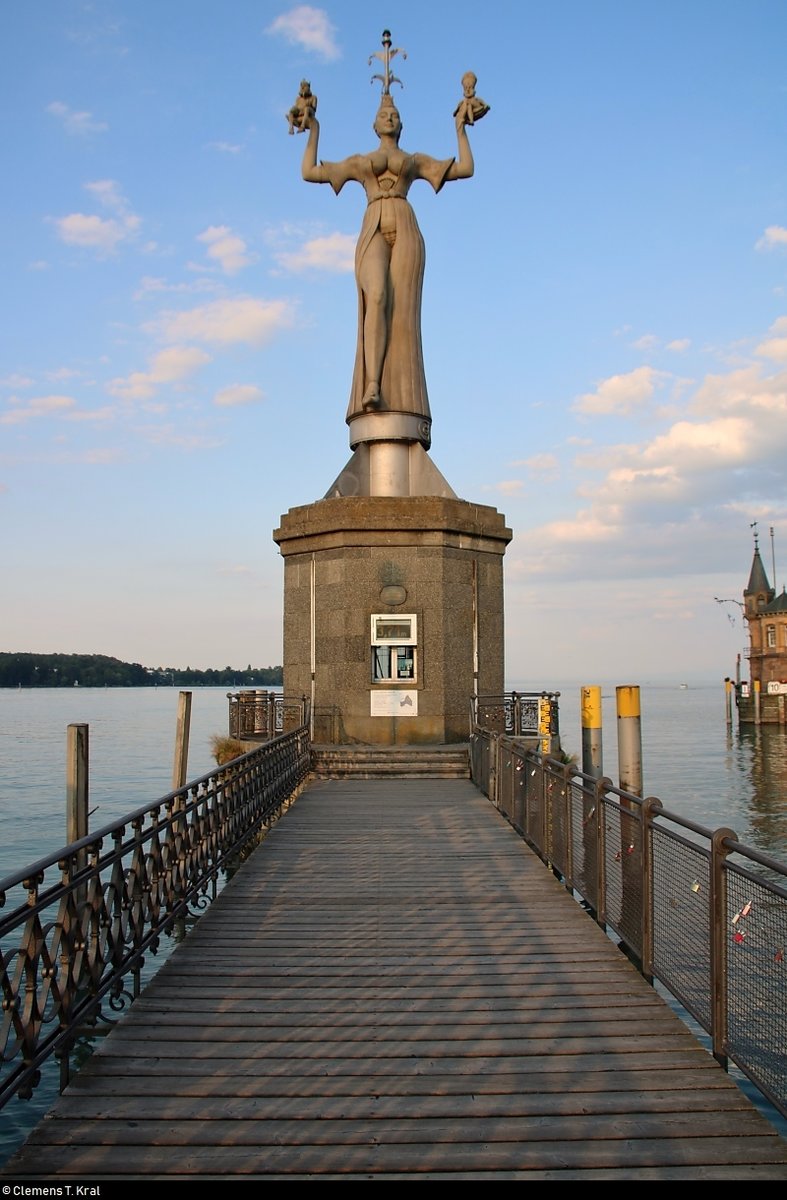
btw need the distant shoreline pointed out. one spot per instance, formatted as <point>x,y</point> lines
<point>25,670</point>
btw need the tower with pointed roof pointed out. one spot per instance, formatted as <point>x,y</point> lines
<point>765,614</point>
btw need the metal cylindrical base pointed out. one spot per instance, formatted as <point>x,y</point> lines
<point>389,469</point>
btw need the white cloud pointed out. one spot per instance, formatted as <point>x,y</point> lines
<point>309,28</point>
<point>335,252</point>
<point>91,414</point>
<point>622,394</point>
<point>545,465</point>
<point>103,234</point>
<point>172,365</point>
<point>237,394</point>
<point>648,341</point>
<point>37,406</point>
<point>679,345</point>
<point>170,435</point>
<point>509,487</point>
<point>101,456</point>
<point>81,229</point>
<point>107,192</point>
<point>16,381</point>
<point>151,284</point>
<point>776,347</point>
<point>225,147</point>
<point>79,123</point>
<point>228,322</point>
<point>775,235</point>
<point>225,248</point>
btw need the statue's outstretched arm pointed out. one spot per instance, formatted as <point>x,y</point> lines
<point>312,171</point>
<point>463,166</point>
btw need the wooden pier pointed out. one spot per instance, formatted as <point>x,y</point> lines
<point>394,986</point>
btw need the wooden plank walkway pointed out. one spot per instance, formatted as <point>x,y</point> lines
<point>394,986</point>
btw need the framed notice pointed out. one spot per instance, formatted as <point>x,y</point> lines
<point>393,703</point>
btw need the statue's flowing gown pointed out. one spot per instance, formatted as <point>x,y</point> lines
<point>403,382</point>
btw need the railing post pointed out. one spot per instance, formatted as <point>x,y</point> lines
<point>602,787</point>
<point>718,943</point>
<point>568,867</point>
<point>650,807</point>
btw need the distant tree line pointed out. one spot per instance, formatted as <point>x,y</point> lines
<point>98,670</point>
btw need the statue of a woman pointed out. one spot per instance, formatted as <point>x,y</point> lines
<point>389,261</point>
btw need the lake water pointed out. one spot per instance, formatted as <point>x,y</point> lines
<point>691,761</point>
<point>132,749</point>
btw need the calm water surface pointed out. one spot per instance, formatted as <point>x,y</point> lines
<point>132,748</point>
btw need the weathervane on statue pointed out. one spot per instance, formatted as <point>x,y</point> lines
<point>385,55</point>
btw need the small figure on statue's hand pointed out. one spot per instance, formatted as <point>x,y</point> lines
<point>303,109</point>
<point>471,108</point>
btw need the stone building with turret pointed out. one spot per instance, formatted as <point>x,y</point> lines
<point>765,614</point>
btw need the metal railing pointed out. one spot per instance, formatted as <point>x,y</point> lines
<point>694,908</point>
<point>74,946</point>
<point>518,714</point>
<point>262,714</point>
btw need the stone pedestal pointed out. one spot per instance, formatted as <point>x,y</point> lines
<point>434,558</point>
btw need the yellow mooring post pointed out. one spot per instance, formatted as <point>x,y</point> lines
<point>590,707</point>
<point>757,711</point>
<point>629,740</point>
<point>630,771</point>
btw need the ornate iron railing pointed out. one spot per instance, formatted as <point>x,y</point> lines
<point>72,950</point>
<point>262,714</point>
<point>695,909</point>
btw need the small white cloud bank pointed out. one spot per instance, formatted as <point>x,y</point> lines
<point>101,234</point>
<point>335,252</point>
<point>622,395</point>
<point>775,236</point>
<point>225,248</point>
<point>171,366</point>
<point>238,394</point>
<point>232,321</point>
<point>77,124</point>
<point>310,28</point>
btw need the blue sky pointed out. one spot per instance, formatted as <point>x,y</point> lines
<point>605,315</point>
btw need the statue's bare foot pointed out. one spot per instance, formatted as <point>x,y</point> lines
<point>371,397</point>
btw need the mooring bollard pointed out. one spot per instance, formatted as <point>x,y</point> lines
<point>629,740</point>
<point>182,731</point>
<point>592,756</point>
<point>77,771</point>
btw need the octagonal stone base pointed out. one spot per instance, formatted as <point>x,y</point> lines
<point>350,557</point>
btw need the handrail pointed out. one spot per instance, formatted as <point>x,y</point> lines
<point>694,908</point>
<point>67,949</point>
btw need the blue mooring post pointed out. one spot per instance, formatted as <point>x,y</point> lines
<point>592,756</point>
